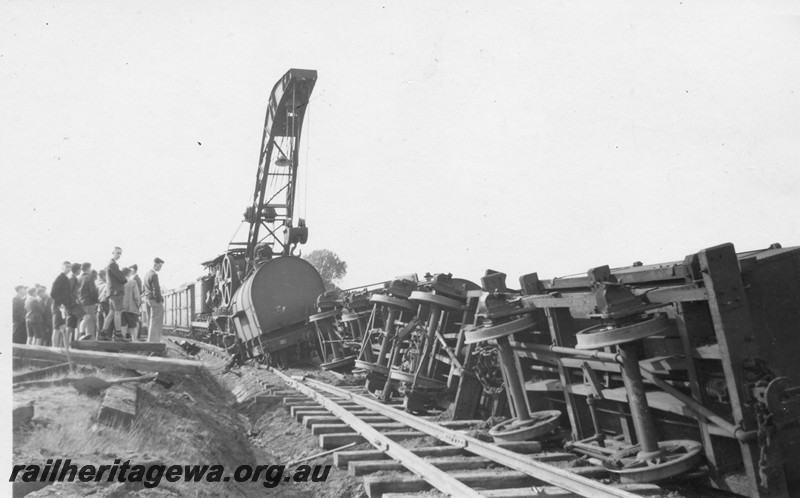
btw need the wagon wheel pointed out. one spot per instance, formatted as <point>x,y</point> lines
<point>537,424</point>
<point>229,280</point>
<point>677,456</point>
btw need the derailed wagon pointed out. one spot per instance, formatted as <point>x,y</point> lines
<point>677,369</point>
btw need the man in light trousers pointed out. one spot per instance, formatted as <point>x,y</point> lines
<point>155,301</point>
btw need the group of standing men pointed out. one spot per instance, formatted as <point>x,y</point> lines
<point>82,298</point>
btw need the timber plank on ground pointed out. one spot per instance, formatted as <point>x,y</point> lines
<point>156,348</point>
<point>311,404</point>
<point>331,441</point>
<point>326,417</point>
<point>41,372</point>
<point>325,428</point>
<point>119,405</point>
<point>18,362</point>
<point>490,479</point>
<point>311,420</point>
<point>120,360</point>
<point>446,463</point>
<point>342,458</point>
<point>300,412</point>
<point>344,428</point>
<point>549,492</point>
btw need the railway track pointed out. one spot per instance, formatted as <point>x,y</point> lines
<point>451,462</point>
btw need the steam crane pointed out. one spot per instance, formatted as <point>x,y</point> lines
<point>259,292</point>
<point>272,232</point>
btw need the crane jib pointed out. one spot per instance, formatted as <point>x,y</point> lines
<point>272,208</point>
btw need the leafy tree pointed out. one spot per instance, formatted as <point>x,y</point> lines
<point>330,267</point>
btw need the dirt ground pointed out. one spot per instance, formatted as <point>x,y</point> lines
<point>195,421</point>
<point>279,438</point>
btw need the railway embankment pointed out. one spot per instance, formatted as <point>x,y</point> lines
<point>174,419</point>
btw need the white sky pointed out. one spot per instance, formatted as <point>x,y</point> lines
<point>453,137</point>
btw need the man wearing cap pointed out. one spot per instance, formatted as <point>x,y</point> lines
<point>20,333</point>
<point>116,290</point>
<point>155,301</point>
<point>59,291</point>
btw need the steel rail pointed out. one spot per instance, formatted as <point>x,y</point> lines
<point>437,478</point>
<point>547,473</point>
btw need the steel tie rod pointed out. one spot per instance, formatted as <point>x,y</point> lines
<point>548,473</point>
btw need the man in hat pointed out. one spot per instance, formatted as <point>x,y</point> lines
<point>116,289</point>
<point>155,301</point>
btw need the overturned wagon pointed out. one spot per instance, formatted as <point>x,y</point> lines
<point>659,370</point>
